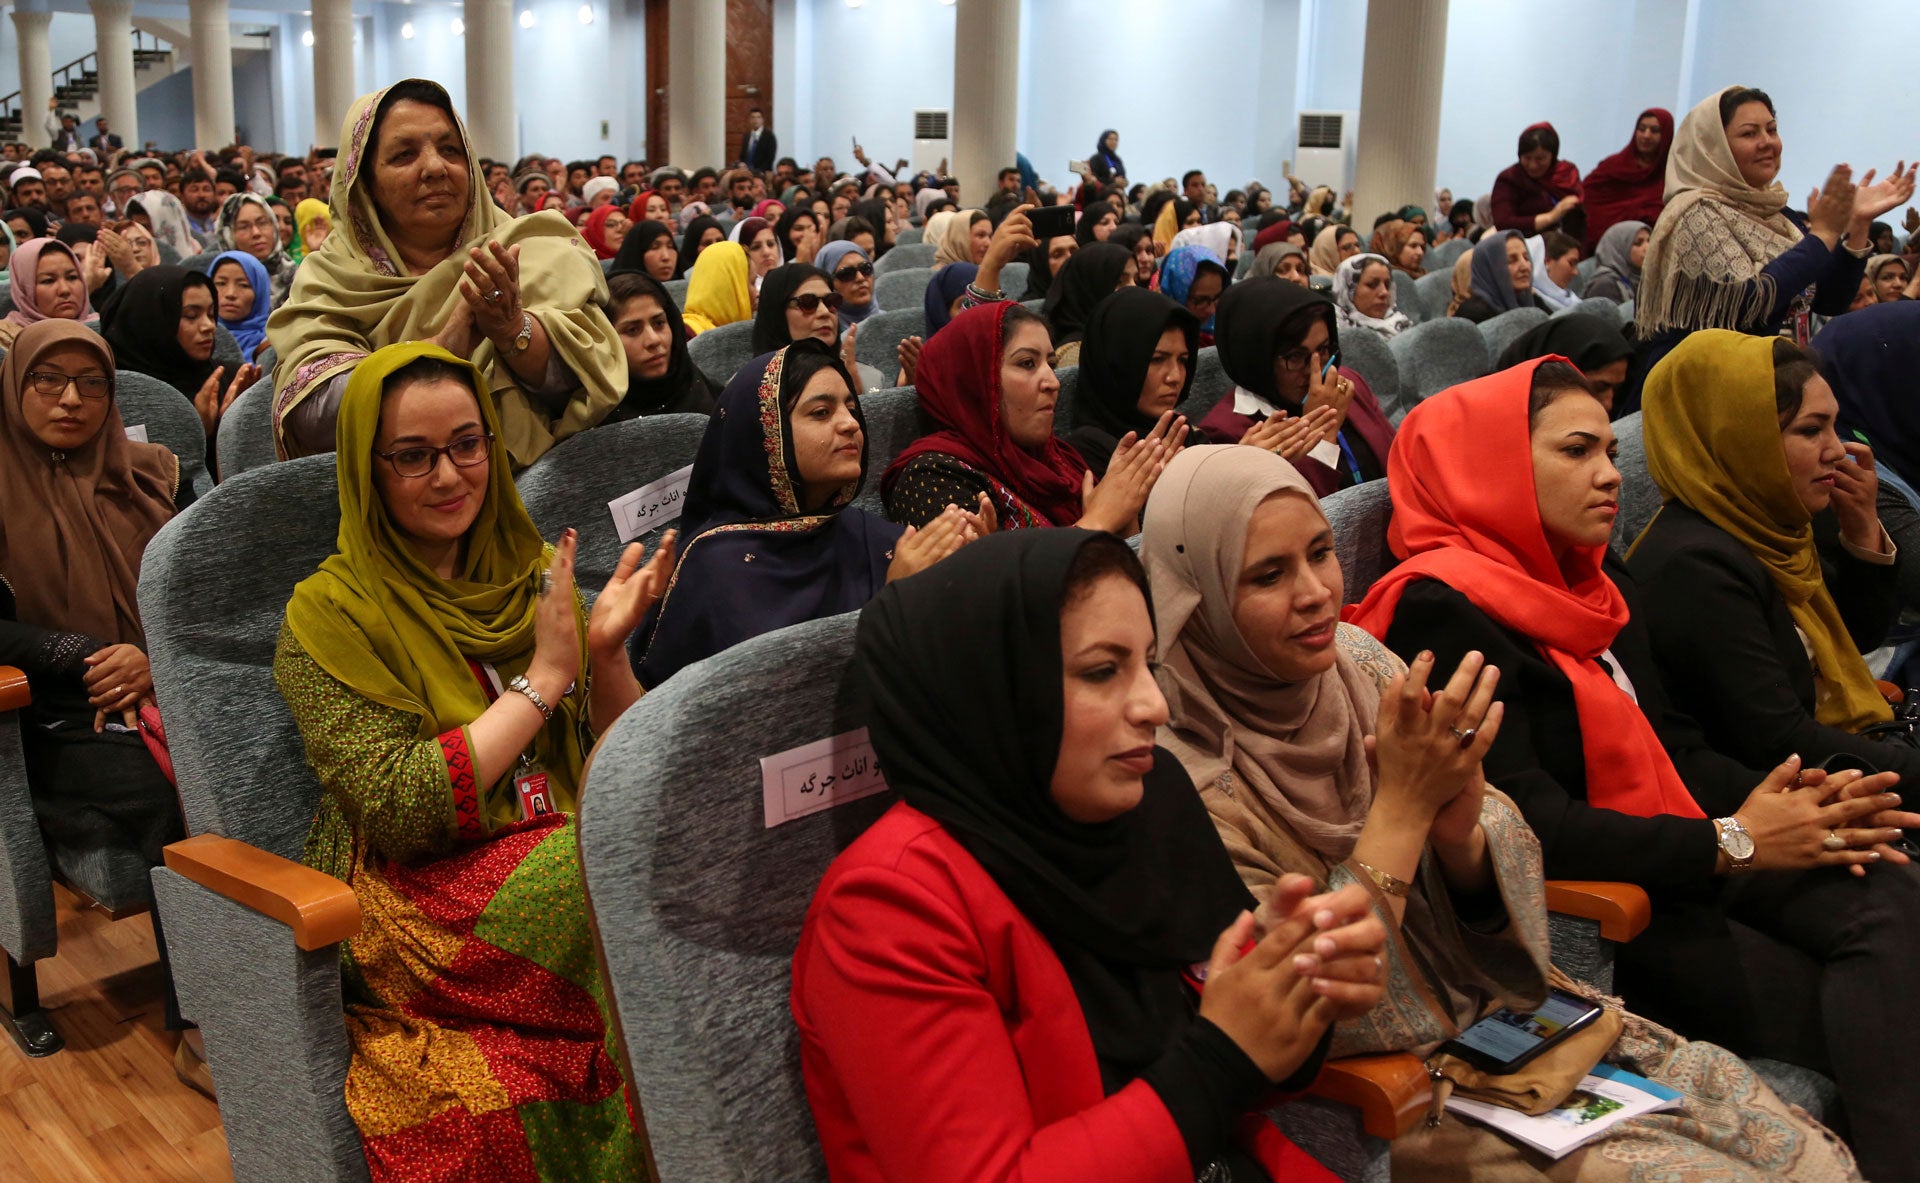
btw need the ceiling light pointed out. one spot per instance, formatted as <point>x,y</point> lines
<point>586,14</point>
<point>458,27</point>
<point>526,18</point>
<point>855,3</point>
<point>306,38</point>
<point>406,30</point>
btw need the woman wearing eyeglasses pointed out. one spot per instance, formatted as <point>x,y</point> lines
<point>1280,343</point>
<point>797,302</point>
<point>448,683</point>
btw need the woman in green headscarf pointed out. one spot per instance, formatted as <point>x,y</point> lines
<point>438,668</point>
<point>1753,639</point>
<point>423,253</point>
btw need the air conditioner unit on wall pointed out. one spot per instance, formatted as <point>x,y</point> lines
<point>931,141</point>
<point>1324,155</point>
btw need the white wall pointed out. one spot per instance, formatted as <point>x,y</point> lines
<point>871,68</point>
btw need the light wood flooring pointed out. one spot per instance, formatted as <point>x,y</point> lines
<point>108,1107</point>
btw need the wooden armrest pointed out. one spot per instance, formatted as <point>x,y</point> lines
<point>14,693</point>
<point>1391,1092</point>
<point>319,909</point>
<point>1621,908</point>
<point>1893,694</point>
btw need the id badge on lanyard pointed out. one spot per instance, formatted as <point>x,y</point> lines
<point>530,785</point>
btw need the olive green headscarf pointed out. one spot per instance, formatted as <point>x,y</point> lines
<point>379,620</point>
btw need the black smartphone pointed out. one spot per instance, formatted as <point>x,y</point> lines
<point>1051,221</point>
<point>1506,1039</point>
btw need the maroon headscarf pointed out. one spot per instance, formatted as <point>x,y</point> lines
<point>1519,198</point>
<point>1622,188</point>
<point>958,380</point>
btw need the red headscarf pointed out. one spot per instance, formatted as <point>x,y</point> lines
<point>958,380</point>
<point>1276,232</point>
<point>1518,197</point>
<point>595,230</point>
<point>1623,189</point>
<point>637,212</point>
<point>1464,513</point>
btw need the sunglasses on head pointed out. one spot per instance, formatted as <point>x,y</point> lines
<point>846,274</point>
<point>810,303</point>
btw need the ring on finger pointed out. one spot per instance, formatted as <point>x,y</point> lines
<point>493,295</point>
<point>1465,737</point>
<point>1833,841</point>
<point>546,583</point>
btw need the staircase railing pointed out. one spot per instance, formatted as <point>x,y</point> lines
<point>79,78</point>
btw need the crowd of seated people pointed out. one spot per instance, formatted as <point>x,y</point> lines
<point>1241,832</point>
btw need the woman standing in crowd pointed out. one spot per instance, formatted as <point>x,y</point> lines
<point>1105,163</point>
<point>426,255</point>
<point>1630,185</point>
<point>661,376</point>
<point>1363,293</point>
<point>1540,191</point>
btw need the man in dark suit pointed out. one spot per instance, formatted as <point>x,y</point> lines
<point>758,148</point>
<point>104,140</point>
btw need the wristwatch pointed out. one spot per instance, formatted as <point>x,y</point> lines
<point>520,685</point>
<point>524,341</point>
<point>1735,841</point>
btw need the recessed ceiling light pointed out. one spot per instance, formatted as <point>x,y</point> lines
<point>406,30</point>
<point>306,38</point>
<point>526,18</point>
<point>458,26</point>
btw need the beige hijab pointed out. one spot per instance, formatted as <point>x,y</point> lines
<point>1299,746</point>
<point>1714,236</point>
<point>1324,258</point>
<point>955,238</point>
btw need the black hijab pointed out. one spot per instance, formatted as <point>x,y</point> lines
<point>1088,278</point>
<point>873,211</point>
<point>970,648</point>
<point>1121,334</point>
<point>683,388</point>
<point>142,323</point>
<point>770,318</point>
<point>1587,341</point>
<point>1039,278</point>
<point>690,243</point>
<point>1089,218</point>
<point>35,219</point>
<point>783,230</point>
<point>1256,318</point>
<point>1151,207</point>
<point>632,255</point>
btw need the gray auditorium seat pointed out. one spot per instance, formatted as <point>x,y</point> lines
<point>1210,385</point>
<point>246,430</point>
<point>226,350</point>
<point>1409,299</point>
<point>169,418</point>
<point>572,484</point>
<point>677,288</point>
<point>722,350</point>
<point>913,254</point>
<point>1436,288</point>
<point>1063,404</point>
<point>1640,498</point>
<point>893,421</point>
<point>28,931</point>
<point>1359,517</point>
<point>902,289</point>
<point>1503,330</point>
<point>877,343</point>
<point>1597,306</point>
<point>1013,278</point>
<point>1436,355</point>
<point>908,236</point>
<point>1366,353</point>
<point>260,978</point>
<point>1444,255</point>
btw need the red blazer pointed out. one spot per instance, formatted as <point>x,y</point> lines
<point>941,1041</point>
<point>1224,425</point>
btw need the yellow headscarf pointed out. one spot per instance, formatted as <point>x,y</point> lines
<point>380,621</point>
<point>353,297</point>
<point>1165,227</point>
<point>309,211</point>
<point>717,292</point>
<point>1713,445</point>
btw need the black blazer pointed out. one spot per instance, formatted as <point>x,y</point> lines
<point>760,157</point>
<point>1726,645</point>
<point>1538,758</point>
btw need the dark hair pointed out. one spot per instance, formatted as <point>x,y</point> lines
<point>1343,230</point>
<point>1793,368</point>
<point>1017,315</point>
<point>755,111</point>
<point>192,176</point>
<point>1003,172</point>
<point>855,224</point>
<point>1190,174</point>
<point>1383,219</point>
<point>427,369</point>
<point>287,183</point>
<point>1460,213</point>
<point>228,176</point>
<point>1128,234</point>
<point>700,174</point>
<point>1737,97</point>
<point>1540,137</point>
<point>1551,379</point>
<point>805,358</point>
<point>627,285</point>
<point>1556,243</point>
<point>1100,556</point>
<point>413,90</point>
<point>789,161</point>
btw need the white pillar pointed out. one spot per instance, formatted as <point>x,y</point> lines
<point>333,86</point>
<point>212,74</point>
<point>113,37</point>
<point>986,94</point>
<point>697,84</point>
<point>1400,85</point>
<point>490,118</point>
<point>36,76</point>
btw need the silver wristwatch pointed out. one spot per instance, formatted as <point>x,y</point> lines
<point>520,685</point>
<point>1735,841</point>
<point>524,341</point>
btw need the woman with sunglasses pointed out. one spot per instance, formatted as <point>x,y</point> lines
<point>850,265</point>
<point>797,302</point>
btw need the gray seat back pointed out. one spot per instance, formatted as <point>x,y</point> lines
<point>212,611</point>
<point>169,419</point>
<point>1063,402</point>
<point>1359,517</point>
<point>1443,256</point>
<point>699,904</point>
<point>1436,291</point>
<point>1365,353</point>
<point>722,350</point>
<point>877,344</point>
<point>572,484</point>
<point>1013,277</point>
<point>246,430</point>
<point>1320,283</point>
<point>1210,385</point>
<point>1605,309</point>
<point>1640,498</point>
<point>903,256</point>
<point>1436,355</point>
<point>226,351</point>
<point>899,290</point>
<point>908,236</point>
<point>1409,298</point>
<point>1503,330</point>
<point>677,288</point>
<point>893,420</point>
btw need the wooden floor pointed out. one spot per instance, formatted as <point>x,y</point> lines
<point>109,1107</point>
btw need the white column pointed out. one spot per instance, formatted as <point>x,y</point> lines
<point>212,74</point>
<point>36,76</point>
<point>333,86</point>
<point>696,84</point>
<point>986,94</point>
<point>490,118</point>
<point>113,37</point>
<point>1400,84</point>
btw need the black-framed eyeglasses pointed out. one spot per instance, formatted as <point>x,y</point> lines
<point>50,384</point>
<point>419,461</point>
<point>846,274</point>
<point>810,303</point>
<point>1295,360</point>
